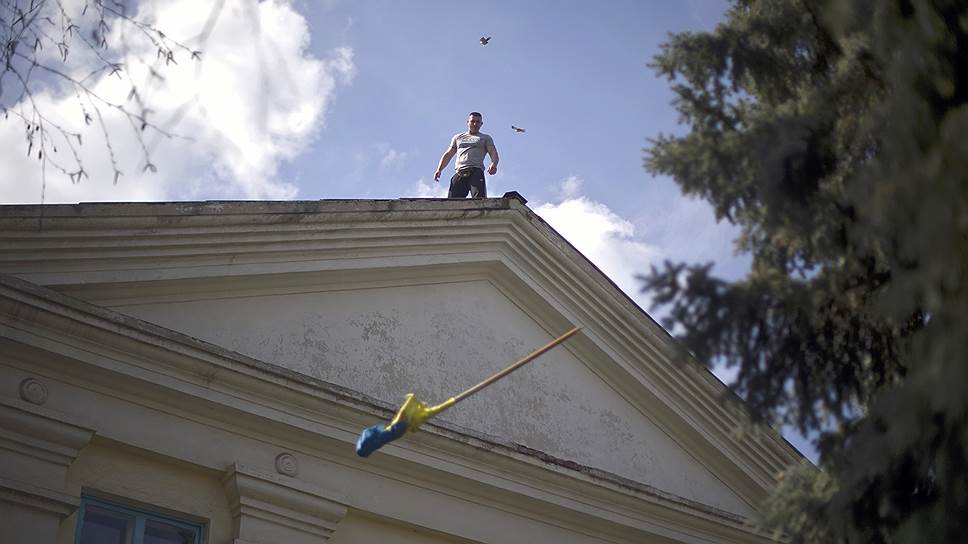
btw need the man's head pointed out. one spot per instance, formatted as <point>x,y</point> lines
<point>474,122</point>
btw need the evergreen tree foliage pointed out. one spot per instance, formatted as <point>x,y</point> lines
<point>835,135</point>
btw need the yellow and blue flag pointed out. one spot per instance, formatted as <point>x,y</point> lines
<point>415,412</point>
<point>410,417</point>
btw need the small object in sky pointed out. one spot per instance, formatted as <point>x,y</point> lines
<point>485,40</point>
<point>517,129</point>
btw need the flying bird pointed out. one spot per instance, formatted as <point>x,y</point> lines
<point>485,40</point>
<point>519,130</point>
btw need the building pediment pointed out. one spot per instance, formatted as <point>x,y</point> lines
<point>430,296</point>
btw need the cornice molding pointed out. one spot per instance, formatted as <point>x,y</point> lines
<point>39,498</point>
<point>682,392</point>
<point>37,446</point>
<point>51,435</point>
<point>265,505</point>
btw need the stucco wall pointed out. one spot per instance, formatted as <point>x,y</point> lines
<point>359,528</point>
<point>437,340</point>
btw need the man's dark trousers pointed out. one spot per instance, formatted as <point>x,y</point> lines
<point>468,180</point>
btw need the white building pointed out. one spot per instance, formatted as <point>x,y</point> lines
<point>199,373</point>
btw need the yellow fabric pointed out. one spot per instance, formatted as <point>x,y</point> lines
<point>415,412</point>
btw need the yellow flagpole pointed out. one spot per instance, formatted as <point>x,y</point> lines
<point>454,400</point>
<point>414,413</point>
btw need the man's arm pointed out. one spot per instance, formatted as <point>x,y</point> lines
<point>492,151</point>
<point>443,162</point>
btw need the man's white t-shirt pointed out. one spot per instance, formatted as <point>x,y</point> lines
<point>470,149</point>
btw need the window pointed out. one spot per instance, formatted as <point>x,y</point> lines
<point>103,522</point>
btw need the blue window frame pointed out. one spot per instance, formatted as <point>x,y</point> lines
<point>104,522</point>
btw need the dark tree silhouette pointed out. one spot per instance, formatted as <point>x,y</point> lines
<point>833,134</point>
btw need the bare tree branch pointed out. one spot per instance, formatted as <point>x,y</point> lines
<point>50,48</point>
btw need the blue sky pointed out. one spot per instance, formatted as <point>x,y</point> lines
<point>573,74</point>
<point>352,99</point>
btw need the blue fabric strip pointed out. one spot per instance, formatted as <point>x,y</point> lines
<point>377,436</point>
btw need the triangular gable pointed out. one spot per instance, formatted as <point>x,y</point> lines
<point>384,297</point>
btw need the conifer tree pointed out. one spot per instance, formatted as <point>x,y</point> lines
<point>835,135</point>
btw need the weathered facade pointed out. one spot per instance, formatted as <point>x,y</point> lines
<point>205,368</point>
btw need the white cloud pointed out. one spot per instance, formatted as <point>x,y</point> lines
<point>606,239</point>
<point>571,186</point>
<point>256,100</point>
<point>684,230</point>
<point>426,189</point>
<point>391,157</point>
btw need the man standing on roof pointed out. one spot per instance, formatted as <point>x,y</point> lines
<point>470,148</point>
